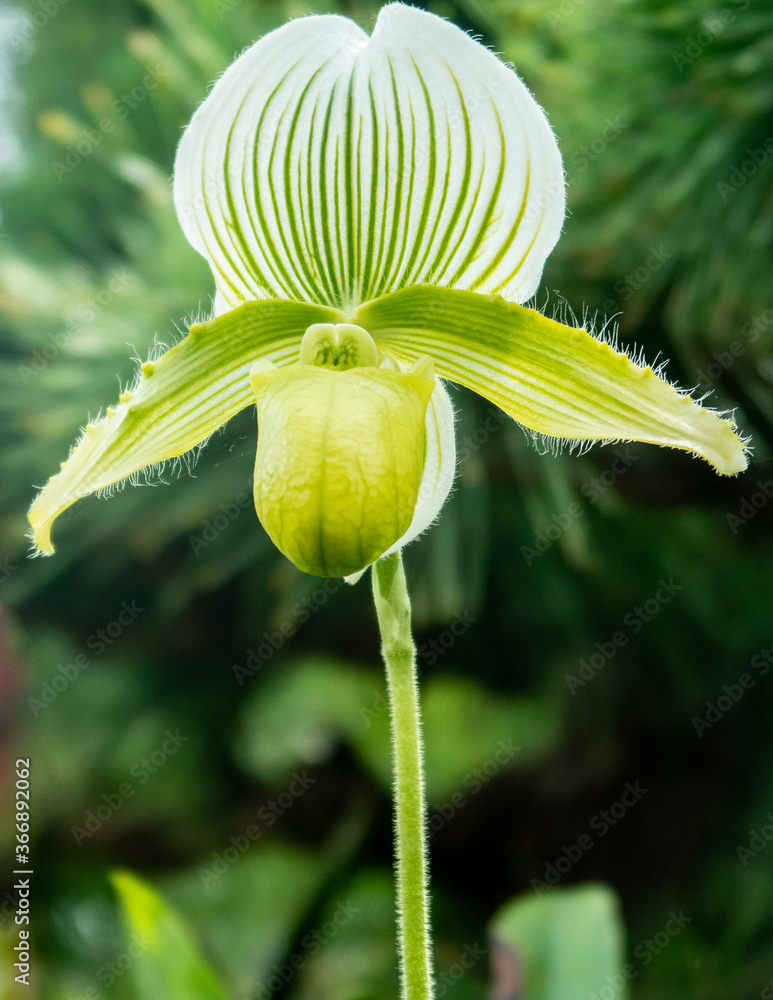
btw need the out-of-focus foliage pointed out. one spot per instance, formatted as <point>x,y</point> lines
<point>300,716</point>
<point>197,711</point>
<point>166,962</point>
<point>564,946</point>
<point>567,945</point>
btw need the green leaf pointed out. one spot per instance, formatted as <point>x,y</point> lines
<point>565,945</point>
<point>470,737</point>
<point>248,898</point>
<point>301,714</point>
<point>359,960</point>
<point>177,402</point>
<point>554,379</point>
<point>166,961</point>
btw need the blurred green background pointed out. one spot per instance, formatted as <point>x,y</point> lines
<point>578,619</point>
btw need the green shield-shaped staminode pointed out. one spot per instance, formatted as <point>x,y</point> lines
<point>339,462</point>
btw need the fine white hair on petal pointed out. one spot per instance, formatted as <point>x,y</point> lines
<point>606,330</point>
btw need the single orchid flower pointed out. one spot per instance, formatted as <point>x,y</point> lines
<point>374,210</point>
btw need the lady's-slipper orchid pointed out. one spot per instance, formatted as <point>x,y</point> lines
<point>374,209</point>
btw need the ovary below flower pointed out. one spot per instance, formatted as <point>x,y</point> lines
<point>407,186</point>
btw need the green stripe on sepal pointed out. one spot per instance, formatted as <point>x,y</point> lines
<point>333,166</point>
<point>554,379</point>
<point>178,401</point>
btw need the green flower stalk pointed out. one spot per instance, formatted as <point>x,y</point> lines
<point>375,211</point>
<point>394,618</point>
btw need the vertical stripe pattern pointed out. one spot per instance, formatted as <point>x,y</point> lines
<point>332,167</point>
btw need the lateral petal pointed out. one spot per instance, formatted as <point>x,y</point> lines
<point>554,379</point>
<point>177,402</point>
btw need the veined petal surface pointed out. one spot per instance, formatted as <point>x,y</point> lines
<point>554,379</point>
<point>179,400</point>
<point>332,167</point>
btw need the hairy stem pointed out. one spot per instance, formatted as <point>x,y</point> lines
<point>394,617</point>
